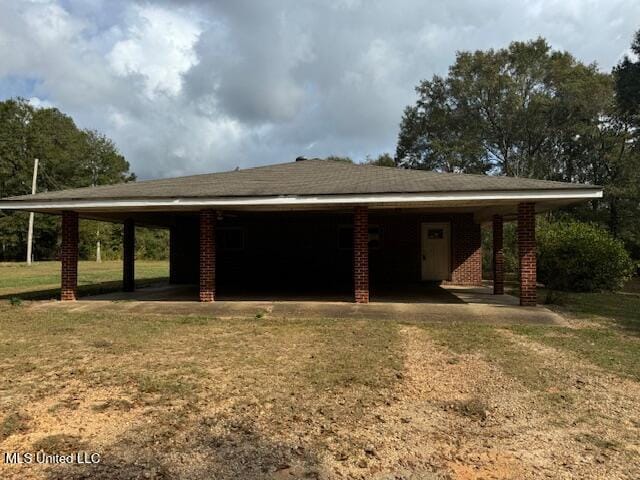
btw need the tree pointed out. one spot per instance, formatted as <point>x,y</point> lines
<point>623,194</point>
<point>383,160</point>
<point>338,158</point>
<point>627,82</point>
<point>435,135</point>
<point>517,111</point>
<point>103,165</point>
<point>69,157</point>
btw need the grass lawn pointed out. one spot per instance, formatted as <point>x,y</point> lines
<point>41,280</point>
<point>171,396</point>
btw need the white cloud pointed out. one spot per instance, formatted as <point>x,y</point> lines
<point>158,45</point>
<point>195,86</point>
<point>39,103</point>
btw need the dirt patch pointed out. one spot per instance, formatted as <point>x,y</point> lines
<point>604,407</point>
<point>200,399</point>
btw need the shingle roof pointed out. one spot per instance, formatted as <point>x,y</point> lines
<point>307,177</point>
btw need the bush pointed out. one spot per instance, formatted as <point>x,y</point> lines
<point>510,251</point>
<point>581,257</point>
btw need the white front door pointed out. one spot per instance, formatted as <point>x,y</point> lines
<point>436,244</point>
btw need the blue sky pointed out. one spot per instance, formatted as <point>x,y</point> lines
<point>196,86</point>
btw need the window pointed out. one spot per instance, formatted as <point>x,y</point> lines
<point>231,238</point>
<point>345,237</point>
<point>435,234</point>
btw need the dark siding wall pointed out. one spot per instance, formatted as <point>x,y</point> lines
<point>184,251</point>
<point>299,251</point>
<point>302,250</point>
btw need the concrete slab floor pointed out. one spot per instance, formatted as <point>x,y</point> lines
<point>447,304</point>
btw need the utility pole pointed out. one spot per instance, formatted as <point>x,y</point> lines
<point>30,232</point>
<point>98,252</point>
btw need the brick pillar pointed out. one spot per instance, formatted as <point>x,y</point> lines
<point>466,250</point>
<point>498,256</point>
<point>361,254</point>
<point>128,256</point>
<point>207,256</point>
<point>69,257</point>
<point>527,253</point>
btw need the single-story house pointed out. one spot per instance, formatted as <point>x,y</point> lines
<point>316,223</point>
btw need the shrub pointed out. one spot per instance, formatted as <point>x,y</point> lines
<point>580,257</point>
<point>15,301</point>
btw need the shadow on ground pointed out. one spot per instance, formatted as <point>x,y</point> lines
<point>202,453</point>
<point>157,290</point>
<point>88,290</point>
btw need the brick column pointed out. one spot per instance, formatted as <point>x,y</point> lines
<point>128,256</point>
<point>498,256</point>
<point>527,253</point>
<point>361,254</point>
<point>466,250</point>
<point>207,256</point>
<point>69,257</point>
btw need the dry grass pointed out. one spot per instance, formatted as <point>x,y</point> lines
<point>193,397</point>
<point>123,385</point>
<point>198,398</point>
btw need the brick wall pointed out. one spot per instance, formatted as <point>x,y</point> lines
<point>207,256</point>
<point>69,256</point>
<point>466,250</point>
<point>361,254</point>
<point>527,253</point>
<point>498,255</point>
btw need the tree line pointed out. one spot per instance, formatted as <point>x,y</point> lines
<point>69,157</point>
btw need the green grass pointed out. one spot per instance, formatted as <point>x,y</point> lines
<point>41,280</point>
<point>620,308</point>
<point>632,286</point>
<point>611,339</point>
<point>608,348</point>
<point>488,342</point>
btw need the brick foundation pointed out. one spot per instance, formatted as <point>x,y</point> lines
<point>498,255</point>
<point>128,256</point>
<point>207,256</point>
<point>361,254</point>
<point>69,257</point>
<point>466,251</point>
<point>527,253</point>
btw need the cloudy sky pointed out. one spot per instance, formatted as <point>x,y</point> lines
<point>197,86</point>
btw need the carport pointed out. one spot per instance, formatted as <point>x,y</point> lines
<point>316,226</point>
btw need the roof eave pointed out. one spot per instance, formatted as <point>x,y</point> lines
<point>194,203</point>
